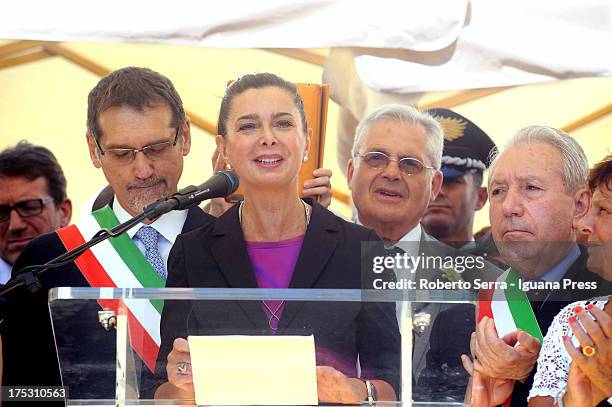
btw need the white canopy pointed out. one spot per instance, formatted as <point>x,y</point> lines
<point>446,44</point>
<point>44,85</point>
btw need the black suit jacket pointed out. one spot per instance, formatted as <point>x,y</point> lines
<point>422,344</point>
<point>452,329</point>
<point>331,257</point>
<point>29,351</point>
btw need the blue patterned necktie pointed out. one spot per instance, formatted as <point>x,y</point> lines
<point>149,236</point>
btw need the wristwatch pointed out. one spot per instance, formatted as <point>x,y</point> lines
<point>372,394</point>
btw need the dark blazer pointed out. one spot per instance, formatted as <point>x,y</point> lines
<point>451,337</point>
<point>331,257</point>
<point>29,351</point>
<point>430,246</point>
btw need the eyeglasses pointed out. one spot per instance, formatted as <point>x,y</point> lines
<point>29,207</point>
<point>380,161</point>
<point>153,152</point>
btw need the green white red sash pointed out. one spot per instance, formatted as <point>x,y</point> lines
<point>117,262</point>
<point>510,309</point>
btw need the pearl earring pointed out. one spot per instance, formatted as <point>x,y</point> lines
<point>305,158</point>
<point>228,167</point>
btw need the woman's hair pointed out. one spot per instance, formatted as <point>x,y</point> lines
<point>257,81</point>
<point>600,175</point>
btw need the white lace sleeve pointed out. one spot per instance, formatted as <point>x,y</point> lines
<point>554,361</point>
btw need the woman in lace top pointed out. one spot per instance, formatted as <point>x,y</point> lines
<point>554,360</point>
<point>575,362</point>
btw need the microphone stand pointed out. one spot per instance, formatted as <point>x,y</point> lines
<point>183,199</point>
<point>28,276</point>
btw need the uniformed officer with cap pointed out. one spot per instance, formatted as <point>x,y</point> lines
<point>450,217</point>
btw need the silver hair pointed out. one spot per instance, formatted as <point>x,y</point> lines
<point>409,115</point>
<point>574,163</point>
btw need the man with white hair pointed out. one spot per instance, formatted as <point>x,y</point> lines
<point>394,171</point>
<point>393,175</point>
<point>538,192</point>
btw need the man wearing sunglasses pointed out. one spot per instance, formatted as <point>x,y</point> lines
<point>33,200</point>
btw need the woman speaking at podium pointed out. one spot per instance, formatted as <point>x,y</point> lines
<point>275,239</point>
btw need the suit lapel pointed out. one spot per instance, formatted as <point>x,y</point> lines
<point>105,197</point>
<point>423,247</point>
<point>230,252</point>
<point>319,245</point>
<point>430,247</point>
<point>196,217</point>
<point>576,272</point>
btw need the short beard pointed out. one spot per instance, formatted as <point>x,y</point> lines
<point>140,196</point>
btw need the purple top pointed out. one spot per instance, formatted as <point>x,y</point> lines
<point>273,264</point>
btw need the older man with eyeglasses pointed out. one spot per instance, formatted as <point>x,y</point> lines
<point>395,170</point>
<point>394,174</point>
<point>33,200</point>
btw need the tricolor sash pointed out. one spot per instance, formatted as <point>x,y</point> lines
<point>510,309</point>
<point>117,262</point>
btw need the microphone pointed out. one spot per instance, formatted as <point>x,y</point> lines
<point>219,185</point>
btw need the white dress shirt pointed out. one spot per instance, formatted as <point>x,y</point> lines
<point>412,240</point>
<point>413,235</point>
<point>169,226</point>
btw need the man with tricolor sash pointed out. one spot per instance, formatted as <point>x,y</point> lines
<point>537,190</point>
<point>138,134</point>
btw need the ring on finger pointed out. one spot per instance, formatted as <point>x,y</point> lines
<point>182,367</point>
<point>588,350</point>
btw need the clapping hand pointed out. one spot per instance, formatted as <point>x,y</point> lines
<point>499,357</point>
